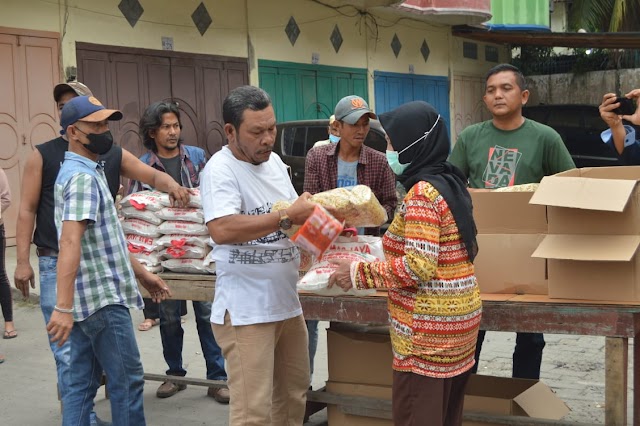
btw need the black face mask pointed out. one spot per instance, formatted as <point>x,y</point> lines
<point>99,143</point>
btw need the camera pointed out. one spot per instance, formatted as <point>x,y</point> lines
<point>626,107</point>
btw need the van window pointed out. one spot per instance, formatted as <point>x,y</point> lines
<point>315,134</point>
<point>300,139</point>
<point>294,141</point>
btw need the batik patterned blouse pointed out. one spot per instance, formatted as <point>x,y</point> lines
<point>434,300</point>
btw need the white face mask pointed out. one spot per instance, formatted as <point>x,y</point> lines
<point>393,156</point>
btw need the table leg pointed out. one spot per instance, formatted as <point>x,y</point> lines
<point>615,382</point>
<point>636,377</point>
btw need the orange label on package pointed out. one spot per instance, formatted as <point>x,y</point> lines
<point>318,232</point>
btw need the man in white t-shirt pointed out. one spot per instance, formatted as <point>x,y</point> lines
<point>256,314</point>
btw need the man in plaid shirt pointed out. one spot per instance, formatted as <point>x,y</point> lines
<point>348,163</point>
<point>96,275</point>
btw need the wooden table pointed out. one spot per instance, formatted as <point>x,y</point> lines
<point>501,312</point>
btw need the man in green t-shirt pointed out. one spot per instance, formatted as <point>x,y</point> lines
<point>505,151</point>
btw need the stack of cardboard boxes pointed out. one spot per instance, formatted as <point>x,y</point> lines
<point>593,234</point>
<point>576,237</point>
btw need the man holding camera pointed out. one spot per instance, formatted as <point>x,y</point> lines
<point>622,137</point>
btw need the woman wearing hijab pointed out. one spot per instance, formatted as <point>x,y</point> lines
<point>434,300</point>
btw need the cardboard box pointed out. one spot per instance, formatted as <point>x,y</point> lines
<point>336,417</point>
<point>594,225</point>
<point>507,396</point>
<point>580,265</point>
<point>504,264</point>
<point>508,213</point>
<point>592,201</point>
<point>484,394</point>
<point>509,230</point>
<point>356,357</point>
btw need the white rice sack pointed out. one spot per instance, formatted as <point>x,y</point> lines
<point>177,240</point>
<point>186,215</point>
<point>209,262</point>
<point>189,266</point>
<point>360,243</point>
<point>149,258</point>
<point>142,243</point>
<point>186,251</point>
<point>146,215</point>
<point>194,199</point>
<point>140,227</point>
<point>153,269</point>
<point>146,200</point>
<point>317,279</point>
<point>186,228</point>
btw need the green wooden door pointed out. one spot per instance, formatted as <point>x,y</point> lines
<point>301,91</point>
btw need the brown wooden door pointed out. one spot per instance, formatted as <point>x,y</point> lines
<point>28,116</point>
<point>130,79</point>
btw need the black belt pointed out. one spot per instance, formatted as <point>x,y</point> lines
<point>44,251</point>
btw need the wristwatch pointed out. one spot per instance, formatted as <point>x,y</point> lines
<point>285,223</point>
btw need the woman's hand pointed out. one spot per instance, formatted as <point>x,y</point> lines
<point>342,276</point>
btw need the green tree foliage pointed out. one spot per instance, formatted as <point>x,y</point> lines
<point>605,15</point>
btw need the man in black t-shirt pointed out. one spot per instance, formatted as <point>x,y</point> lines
<point>37,209</point>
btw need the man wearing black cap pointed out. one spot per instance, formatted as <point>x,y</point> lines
<point>96,276</point>
<point>36,209</point>
<point>348,163</point>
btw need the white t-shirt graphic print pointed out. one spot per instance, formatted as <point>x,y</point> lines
<point>256,280</point>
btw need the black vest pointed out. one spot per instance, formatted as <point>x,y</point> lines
<point>52,153</point>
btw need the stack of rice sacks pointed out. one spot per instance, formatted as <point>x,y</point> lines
<point>164,237</point>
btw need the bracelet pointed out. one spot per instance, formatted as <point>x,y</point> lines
<point>63,311</point>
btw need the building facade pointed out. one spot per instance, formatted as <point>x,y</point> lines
<point>306,53</point>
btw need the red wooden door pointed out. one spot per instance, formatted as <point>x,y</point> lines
<point>28,116</point>
<point>130,79</point>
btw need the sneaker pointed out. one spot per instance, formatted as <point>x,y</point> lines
<point>168,388</point>
<point>221,395</point>
<point>94,420</point>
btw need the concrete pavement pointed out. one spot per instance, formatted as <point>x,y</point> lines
<point>573,366</point>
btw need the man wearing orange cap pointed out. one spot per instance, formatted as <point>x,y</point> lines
<point>37,210</point>
<point>96,276</point>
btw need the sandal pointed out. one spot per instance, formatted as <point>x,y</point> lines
<point>148,324</point>
<point>10,334</point>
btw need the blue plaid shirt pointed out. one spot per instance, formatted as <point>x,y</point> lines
<point>105,276</point>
